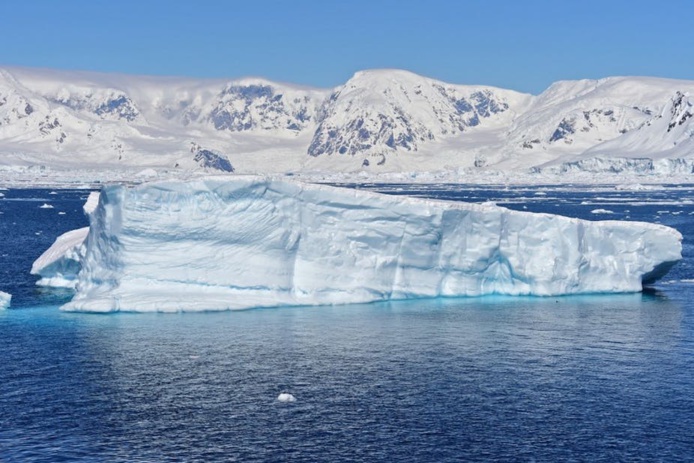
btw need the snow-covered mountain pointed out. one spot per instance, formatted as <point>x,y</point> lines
<point>378,121</point>
<point>378,113</point>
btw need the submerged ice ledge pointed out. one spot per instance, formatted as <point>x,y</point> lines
<point>218,244</point>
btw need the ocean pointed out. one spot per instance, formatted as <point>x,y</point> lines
<point>586,378</point>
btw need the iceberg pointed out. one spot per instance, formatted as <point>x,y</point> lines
<point>242,242</point>
<point>5,300</point>
<point>59,265</point>
<point>286,397</point>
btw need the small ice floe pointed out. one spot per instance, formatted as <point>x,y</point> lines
<point>61,213</point>
<point>53,193</point>
<point>45,206</point>
<point>286,397</point>
<point>5,299</point>
<point>601,211</point>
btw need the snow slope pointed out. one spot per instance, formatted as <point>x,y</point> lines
<point>233,243</point>
<point>379,121</point>
<point>663,143</point>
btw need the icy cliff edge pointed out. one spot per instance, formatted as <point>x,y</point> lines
<point>221,243</point>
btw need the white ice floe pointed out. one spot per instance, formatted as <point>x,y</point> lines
<point>45,206</point>
<point>241,242</point>
<point>5,300</point>
<point>286,397</point>
<point>601,211</point>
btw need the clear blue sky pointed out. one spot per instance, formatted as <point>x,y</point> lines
<point>519,44</point>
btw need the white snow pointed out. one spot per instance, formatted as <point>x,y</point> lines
<point>91,203</point>
<point>85,127</point>
<point>286,397</point>
<point>147,173</point>
<point>241,242</point>
<point>5,300</point>
<point>58,265</point>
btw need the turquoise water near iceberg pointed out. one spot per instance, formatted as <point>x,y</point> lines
<point>591,378</point>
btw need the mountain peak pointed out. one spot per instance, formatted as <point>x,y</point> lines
<point>385,119</point>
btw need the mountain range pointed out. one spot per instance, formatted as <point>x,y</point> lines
<point>378,121</point>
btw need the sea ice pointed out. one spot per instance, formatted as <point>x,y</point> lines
<point>241,242</point>
<point>5,299</point>
<point>286,397</point>
<point>601,211</point>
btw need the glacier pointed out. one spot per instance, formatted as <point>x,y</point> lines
<point>222,243</point>
<point>5,300</point>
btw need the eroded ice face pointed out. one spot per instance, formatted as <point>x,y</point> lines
<point>218,244</point>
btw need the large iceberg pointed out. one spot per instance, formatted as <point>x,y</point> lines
<point>234,243</point>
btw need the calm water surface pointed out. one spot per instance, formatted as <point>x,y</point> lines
<point>591,378</point>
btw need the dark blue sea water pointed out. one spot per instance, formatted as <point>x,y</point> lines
<point>599,378</point>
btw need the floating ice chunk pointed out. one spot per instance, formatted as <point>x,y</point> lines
<point>45,206</point>
<point>5,299</point>
<point>217,244</point>
<point>601,211</point>
<point>286,397</point>
<point>59,265</point>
